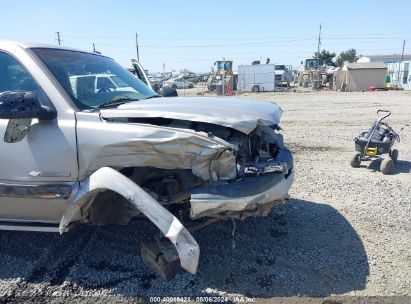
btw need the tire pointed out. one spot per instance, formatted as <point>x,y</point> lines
<point>394,155</point>
<point>386,166</point>
<point>255,89</point>
<point>174,86</point>
<point>305,81</point>
<point>356,160</point>
<point>190,86</point>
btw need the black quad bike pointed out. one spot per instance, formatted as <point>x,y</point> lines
<point>377,141</point>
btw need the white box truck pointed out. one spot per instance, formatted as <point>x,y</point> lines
<point>256,78</point>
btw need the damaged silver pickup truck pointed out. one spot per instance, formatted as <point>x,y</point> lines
<point>84,141</point>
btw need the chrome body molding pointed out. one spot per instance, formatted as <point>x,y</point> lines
<point>42,191</point>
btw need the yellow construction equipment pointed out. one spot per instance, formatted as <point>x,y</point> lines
<point>312,72</point>
<point>223,70</point>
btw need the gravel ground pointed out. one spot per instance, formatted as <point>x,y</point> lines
<point>344,232</point>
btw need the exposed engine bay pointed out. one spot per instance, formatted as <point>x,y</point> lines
<point>259,153</point>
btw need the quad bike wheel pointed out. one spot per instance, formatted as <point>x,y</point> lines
<point>386,166</point>
<point>356,160</point>
<point>394,155</point>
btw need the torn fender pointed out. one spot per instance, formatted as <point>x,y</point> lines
<point>139,145</point>
<point>109,179</point>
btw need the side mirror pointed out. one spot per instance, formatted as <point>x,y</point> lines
<point>168,92</point>
<point>19,104</point>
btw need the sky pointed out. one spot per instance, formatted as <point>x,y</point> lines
<point>193,34</point>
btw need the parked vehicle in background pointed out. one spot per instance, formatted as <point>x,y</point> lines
<point>203,77</point>
<point>222,69</point>
<point>312,72</point>
<point>179,83</point>
<point>156,82</point>
<point>283,74</point>
<point>257,78</point>
<point>191,77</point>
<point>97,83</point>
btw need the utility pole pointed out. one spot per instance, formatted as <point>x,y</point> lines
<point>138,55</point>
<point>164,69</point>
<point>94,48</point>
<point>402,54</point>
<point>58,38</point>
<point>319,43</point>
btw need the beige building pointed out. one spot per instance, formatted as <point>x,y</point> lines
<point>360,76</point>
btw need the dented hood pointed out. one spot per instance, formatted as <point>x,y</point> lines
<point>240,114</point>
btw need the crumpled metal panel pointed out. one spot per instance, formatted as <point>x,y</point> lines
<point>122,145</point>
<point>109,179</point>
<point>240,114</point>
<point>240,195</point>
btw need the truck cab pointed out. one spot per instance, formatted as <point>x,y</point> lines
<point>283,74</point>
<point>83,141</point>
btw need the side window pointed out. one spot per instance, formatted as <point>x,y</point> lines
<point>14,77</point>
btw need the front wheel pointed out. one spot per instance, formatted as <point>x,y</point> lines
<point>255,89</point>
<point>190,86</point>
<point>386,166</point>
<point>356,160</point>
<point>306,81</point>
<point>394,155</point>
<point>174,86</point>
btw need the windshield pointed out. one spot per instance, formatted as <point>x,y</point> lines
<point>224,65</point>
<point>280,67</point>
<point>314,63</point>
<point>118,82</point>
<point>93,80</point>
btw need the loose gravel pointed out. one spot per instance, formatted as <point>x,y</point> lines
<point>344,231</point>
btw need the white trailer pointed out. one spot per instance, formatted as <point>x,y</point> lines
<point>400,73</point>
<point>256,78</point>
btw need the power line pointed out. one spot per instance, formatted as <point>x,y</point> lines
<point>235,44</point>
<point>230,37</point>
<point>361,38</point>
<point>234,57</point>
<point>251,44</point>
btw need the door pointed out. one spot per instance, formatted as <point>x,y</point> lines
<point>38,171</point>
<point>141,73</point>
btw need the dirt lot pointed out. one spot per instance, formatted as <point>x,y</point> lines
<point>345,231</point>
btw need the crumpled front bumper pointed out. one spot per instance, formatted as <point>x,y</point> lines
<point>244,195</point>
<point>249,196</point>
